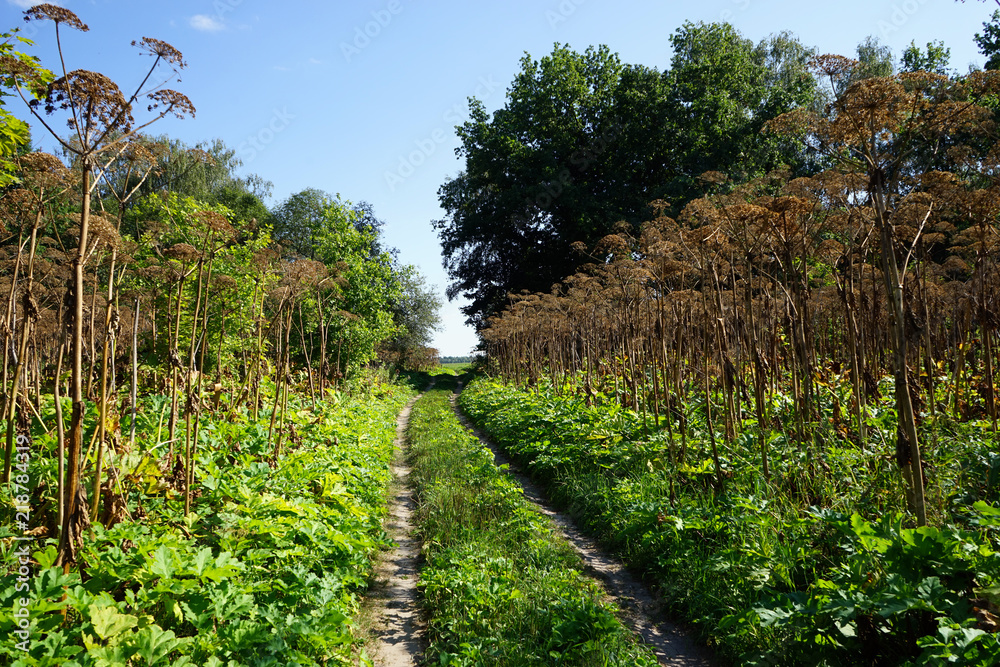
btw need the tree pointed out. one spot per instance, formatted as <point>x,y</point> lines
<point>299,219</point>
<point>206,172</point>
<point>874,60</point>
<point>367,222</point>
<point>988,41</point>
<point>722,90</point>
<point>15,135</point>
<point>201,171</point>
<point>585,141</point>
<point>416,314</point>
<point>936,59</point>
<point>368,286</point>
<point>244,204</point>
<point>536,178</point>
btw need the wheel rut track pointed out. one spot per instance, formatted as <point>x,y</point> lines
<point>641,610</point>
<point>399,628</point>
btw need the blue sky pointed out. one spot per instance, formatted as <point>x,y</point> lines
<point>361,98</point>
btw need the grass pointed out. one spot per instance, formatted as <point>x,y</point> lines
<point>457,367</point>
<point>500,587</point>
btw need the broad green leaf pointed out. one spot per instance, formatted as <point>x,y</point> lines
<point>47,558</point>
<point>202,560</point>
<point>162,563</point>
<point>51,582</point>
<point>224,567</point>
<point>108,656</point>
<point>154,644</point>
<point>108,622</point>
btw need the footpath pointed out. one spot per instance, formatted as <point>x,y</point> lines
<point>400,625</point>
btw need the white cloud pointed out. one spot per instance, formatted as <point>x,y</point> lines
<point>315,61</point>
<point>206,23</point>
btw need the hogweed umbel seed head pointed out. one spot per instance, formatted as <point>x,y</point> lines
<point>162,50</point>
<point>57,14</point>
<point>171,102</point>
<point>96,101</point>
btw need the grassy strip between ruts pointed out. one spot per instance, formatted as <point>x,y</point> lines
<point>267,571</point>
<point>500,587</point>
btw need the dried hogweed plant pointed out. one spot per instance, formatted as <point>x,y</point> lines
<point>100,119</point>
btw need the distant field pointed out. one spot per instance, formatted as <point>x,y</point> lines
<point>457,367</point>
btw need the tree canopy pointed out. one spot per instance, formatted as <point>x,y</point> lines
<point>988,41</point>
<point>585,141</point>
<point>15,135</point>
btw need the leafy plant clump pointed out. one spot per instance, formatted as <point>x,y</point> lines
<point>819,566</point>
<point>267,569</point>
<point>499,586</point>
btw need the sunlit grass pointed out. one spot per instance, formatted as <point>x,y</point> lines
<point>500,587</point>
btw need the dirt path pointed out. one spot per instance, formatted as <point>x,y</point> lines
<point>640,609</point>
<point>398,626</point>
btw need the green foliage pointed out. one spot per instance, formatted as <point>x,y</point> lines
<point>781,572</point>
<point>456,360</point>
<point>267,571</point>
<point>416,313</point>
<point>875,58</point>
<point>897,593</point>
<point>722,91</point>
<point>936,59</point>
<point>375,302</point>
<point>299,219</point>
<point>15,135</point>
<point>207,171</point>
<point>585,141</point>
<point>500,587</point>
<point>170,219</point>
<point>988,41</point>
<point>536,165</point>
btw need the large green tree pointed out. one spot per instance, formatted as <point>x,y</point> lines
<point>204,171</point>
<point>988,41</point>
<point>585,141</point>
<point>299,219</point>
<point>15,135</point>
<point>935,59</point>
<point>313,224</point>
<point>416,314</point>
<point>722,90</point>
<point>537,177</point>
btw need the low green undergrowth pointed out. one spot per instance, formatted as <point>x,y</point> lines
<point>267,569</point>
<point>816,565</point>
<point>500,587</point>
